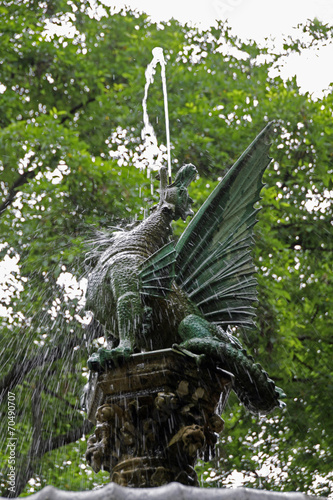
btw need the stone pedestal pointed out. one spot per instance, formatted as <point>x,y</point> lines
<point>155,416</point>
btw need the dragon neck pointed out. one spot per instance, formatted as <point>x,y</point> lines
<point>153,233</point>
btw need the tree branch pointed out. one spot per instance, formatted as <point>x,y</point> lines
<point>57,396</point>
<point>70,437</point>
<point>24,473</point>
<point>44,356</point>
<point>20,181</point>
<point>76,108</point>
<point>310,368</point>
<point>26,464</point>
<point>19,371</point>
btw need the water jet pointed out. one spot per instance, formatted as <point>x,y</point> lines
<point>170,305</point>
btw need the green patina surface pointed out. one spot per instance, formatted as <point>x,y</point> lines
<point>150,293</point>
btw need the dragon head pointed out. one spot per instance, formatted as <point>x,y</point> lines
<point>175,197</point>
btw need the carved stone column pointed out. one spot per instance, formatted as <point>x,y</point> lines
<point>155,416</point>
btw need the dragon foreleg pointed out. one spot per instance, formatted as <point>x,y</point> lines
<point>124,285</point>
<point>129,315</point>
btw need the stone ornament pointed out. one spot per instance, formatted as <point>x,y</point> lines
<point>147,435</point>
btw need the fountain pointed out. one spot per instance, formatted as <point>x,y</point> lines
<point>159,387</point>
<point>148,134</point>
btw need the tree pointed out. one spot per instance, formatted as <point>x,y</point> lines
<point>70,136</point>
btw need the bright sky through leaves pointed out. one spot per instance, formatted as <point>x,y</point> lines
<point>257,20</point>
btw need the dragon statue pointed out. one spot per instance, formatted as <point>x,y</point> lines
<point>151,293</point>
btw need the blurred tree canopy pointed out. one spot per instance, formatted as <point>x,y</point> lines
<point>72,82</point>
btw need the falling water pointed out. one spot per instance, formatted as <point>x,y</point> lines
<point>148,133</point>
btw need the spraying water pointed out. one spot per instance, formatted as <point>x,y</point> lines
<point>148,133</point>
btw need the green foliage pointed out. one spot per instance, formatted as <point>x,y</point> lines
<point>70,134</point>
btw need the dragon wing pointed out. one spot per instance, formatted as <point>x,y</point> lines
<point>214,265</point>
<point>156,273</point>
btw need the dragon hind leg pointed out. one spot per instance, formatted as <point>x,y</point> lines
<point>252,385</point>
<point>196,327</point>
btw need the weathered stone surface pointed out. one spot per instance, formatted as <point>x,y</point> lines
<point>171,491</point>
<point>155,416</point>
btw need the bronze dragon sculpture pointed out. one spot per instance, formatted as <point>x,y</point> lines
<point>151,293</point>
